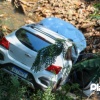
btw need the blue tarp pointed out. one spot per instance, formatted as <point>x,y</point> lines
<point>66,29</point>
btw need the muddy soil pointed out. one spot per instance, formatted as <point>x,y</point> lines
<point>10,17</point>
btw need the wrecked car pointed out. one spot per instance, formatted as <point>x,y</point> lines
<point>19,50</point>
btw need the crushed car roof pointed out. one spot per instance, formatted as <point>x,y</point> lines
<point>67,30</point>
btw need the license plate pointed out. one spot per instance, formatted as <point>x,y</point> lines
<point>19,72</point>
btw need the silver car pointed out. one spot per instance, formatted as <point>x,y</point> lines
<point>19,49</point>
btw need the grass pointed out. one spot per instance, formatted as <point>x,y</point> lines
<point>10,87</point>
<point>13,89</point>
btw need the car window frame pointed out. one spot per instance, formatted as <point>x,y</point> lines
<point>36,35</point>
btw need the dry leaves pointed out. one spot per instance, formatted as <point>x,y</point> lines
<point>5,30</point>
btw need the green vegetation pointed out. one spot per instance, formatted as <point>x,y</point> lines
<point>10,87</point>
<point>96,13</point>
<point>90,64</point>
<point>13,89</point>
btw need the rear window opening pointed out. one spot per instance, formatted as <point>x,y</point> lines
<point>30,40</point>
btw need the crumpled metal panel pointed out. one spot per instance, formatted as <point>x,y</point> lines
<point>66,29</point>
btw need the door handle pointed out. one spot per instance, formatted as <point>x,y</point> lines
<point>28,55</point>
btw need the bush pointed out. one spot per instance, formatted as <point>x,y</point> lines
<point>10,87</point>
<point>13,89</point>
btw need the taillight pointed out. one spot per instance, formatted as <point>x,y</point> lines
<point>5,43</point>
<point>54,69</point>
